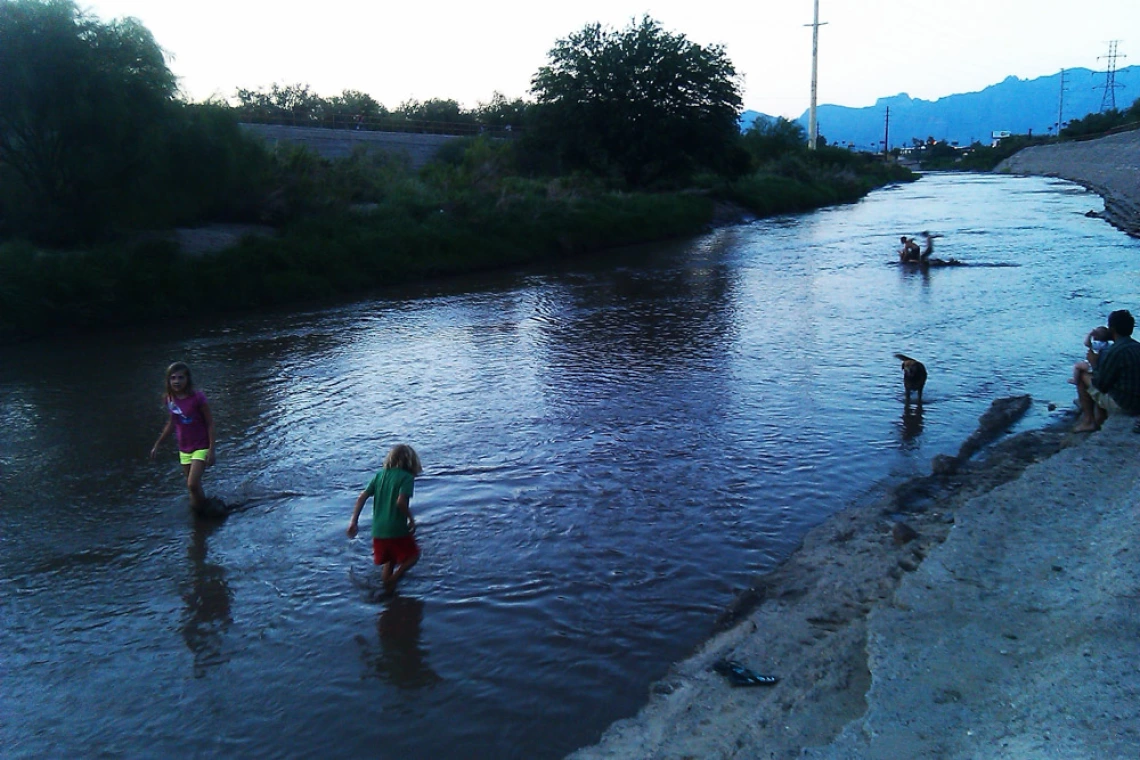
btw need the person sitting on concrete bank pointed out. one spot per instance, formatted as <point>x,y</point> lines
<point>1114,385</point>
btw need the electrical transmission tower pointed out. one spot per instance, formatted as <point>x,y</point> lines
<point>1108,102</point>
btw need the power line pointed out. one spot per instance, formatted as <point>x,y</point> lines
<point>1108,102</point>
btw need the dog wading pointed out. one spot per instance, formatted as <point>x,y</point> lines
<point>914,376</point>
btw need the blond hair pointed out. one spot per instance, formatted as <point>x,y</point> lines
<point>403,457</point>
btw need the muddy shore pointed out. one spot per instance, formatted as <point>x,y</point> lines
<point>986,611</point>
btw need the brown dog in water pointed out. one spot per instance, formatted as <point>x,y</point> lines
<point>914,376</point>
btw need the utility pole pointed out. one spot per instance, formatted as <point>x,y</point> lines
<point>813,125</point>
<point>1108,102</point>
<point>887,133</point>
<point>1061,104</point>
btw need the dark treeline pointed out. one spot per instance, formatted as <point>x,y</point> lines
<point>298,105</point>
<point>631,136</point>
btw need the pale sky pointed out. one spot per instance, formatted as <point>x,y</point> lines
<point>466,51</point>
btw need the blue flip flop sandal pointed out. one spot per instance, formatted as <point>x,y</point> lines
<point>738,675</point>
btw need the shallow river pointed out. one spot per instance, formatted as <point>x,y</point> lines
<point>612,448</point>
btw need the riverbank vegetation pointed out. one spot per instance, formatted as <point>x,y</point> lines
<point>100,160</point>
<point>978,157</point>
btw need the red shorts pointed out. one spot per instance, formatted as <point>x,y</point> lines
<point>398,550</point>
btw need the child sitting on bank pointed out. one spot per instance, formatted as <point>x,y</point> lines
<point>1096,341</point>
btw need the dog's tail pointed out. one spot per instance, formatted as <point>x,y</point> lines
<point>903,358</point>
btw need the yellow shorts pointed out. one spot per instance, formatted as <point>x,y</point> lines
<point>186,457</point>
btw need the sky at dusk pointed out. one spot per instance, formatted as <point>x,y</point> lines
<point>467,51</point>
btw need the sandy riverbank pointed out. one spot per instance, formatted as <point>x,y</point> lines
<point>993,612</point>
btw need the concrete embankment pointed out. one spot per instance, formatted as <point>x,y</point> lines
<point>1109,166</point>
<point>993,614</point>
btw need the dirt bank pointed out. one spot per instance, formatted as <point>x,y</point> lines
<point>900,627</point>
<point>1109,166</point>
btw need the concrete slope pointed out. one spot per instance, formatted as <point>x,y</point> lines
<point>1019,636</point>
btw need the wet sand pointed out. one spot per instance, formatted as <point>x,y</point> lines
<point>990,611</point>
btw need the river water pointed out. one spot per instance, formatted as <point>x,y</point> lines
<point>612,448</point>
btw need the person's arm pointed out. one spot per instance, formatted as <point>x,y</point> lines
<point>1090,355</point>
<point>405,508</point>
<point>209,420</point>
<point>1105,371</point>
<point>356,509</point>
<point>166,429</point>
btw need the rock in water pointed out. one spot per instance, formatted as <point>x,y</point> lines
<point>1002,413</point>
<point>944,464</point>
<point>212,509</point>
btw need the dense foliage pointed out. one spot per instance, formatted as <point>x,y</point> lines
<point>768,140</point>
<point>80,107</point>
<point>99,161</point>
<point>92,138</point>
<point>298,105</point>
<point>642,104</point>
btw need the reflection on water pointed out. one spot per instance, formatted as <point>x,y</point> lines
<point>400,658</point>
<point>592,434</point>
<point>911,421</point>
<point>208,600</point>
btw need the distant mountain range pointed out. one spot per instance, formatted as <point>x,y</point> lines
<point>1014,105</point>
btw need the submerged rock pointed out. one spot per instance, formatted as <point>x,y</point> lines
<point>212,509</point>
<point>1002,413</point>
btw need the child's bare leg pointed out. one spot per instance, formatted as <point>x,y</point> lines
<point>386,573</point>
<point>194,472</point>
<point>1089,409</point>
<point>403,568</point>
<point>1079,369</point>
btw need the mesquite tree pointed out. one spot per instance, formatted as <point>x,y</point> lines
<point>82,105</point>
<point>641,103</point>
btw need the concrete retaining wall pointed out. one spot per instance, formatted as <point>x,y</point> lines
<point>418,149</point>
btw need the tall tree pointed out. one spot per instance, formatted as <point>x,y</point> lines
<point>768,139</point>
<point>281,104</point>
<point>435,113</point>
<point>81,104</point>
<point>641,102</point>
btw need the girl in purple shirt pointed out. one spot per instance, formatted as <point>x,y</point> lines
<point>193,425</point>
